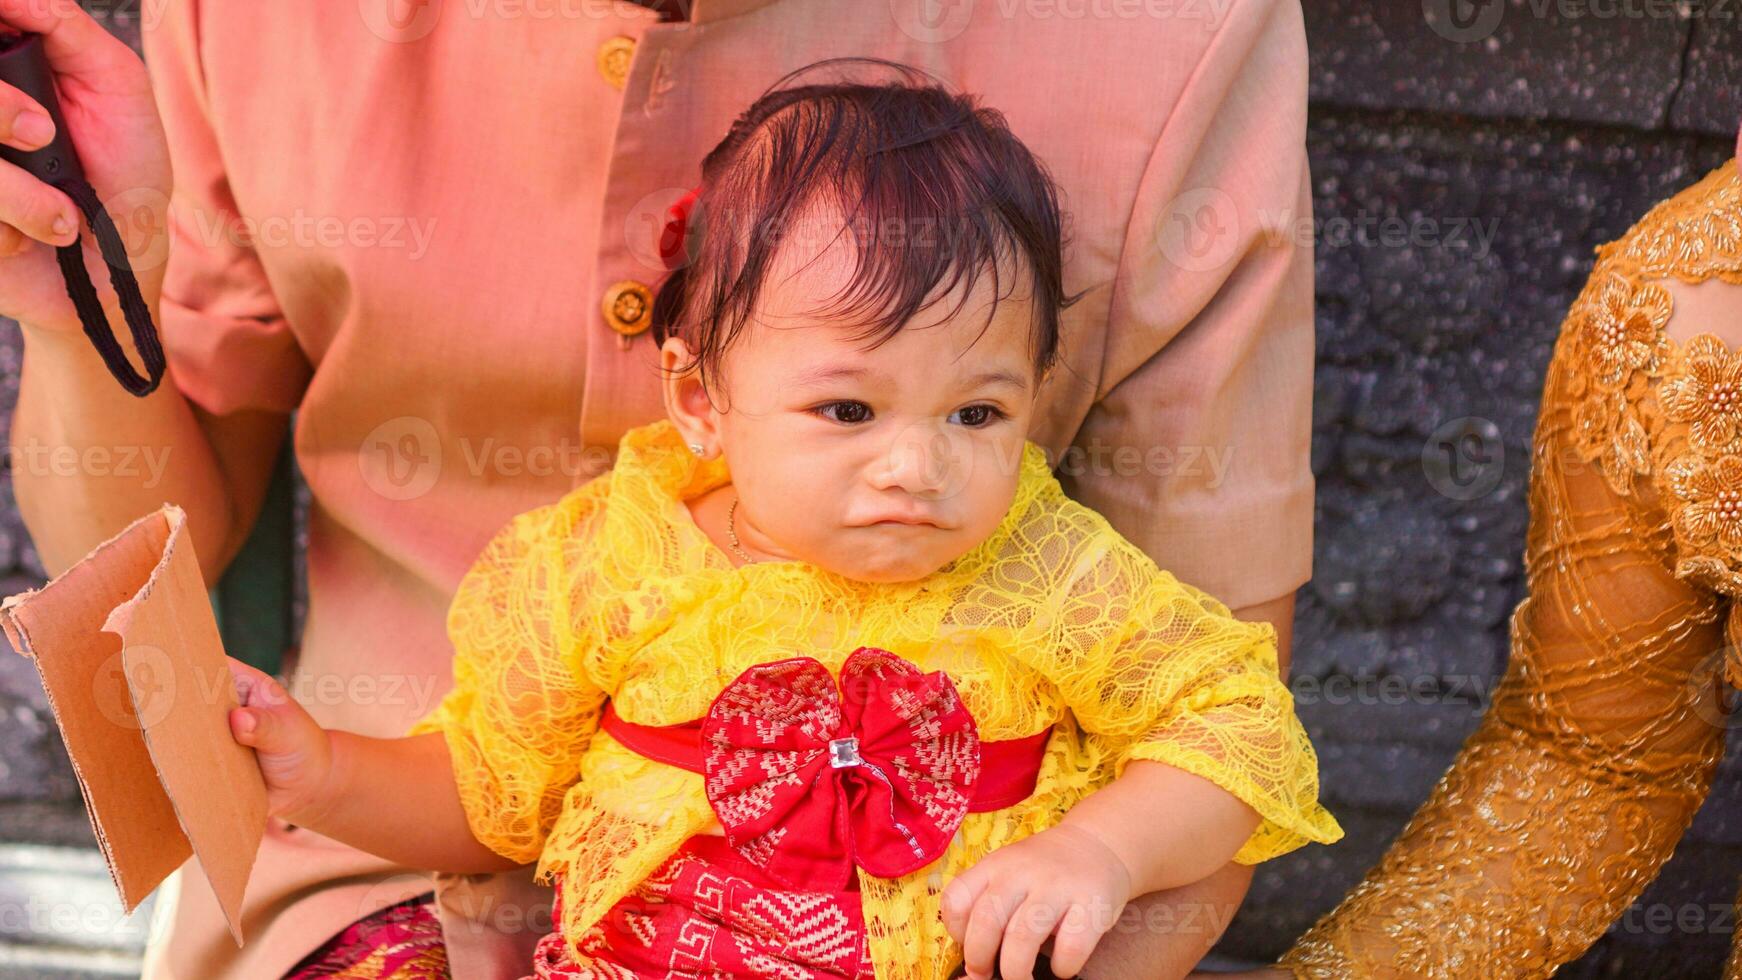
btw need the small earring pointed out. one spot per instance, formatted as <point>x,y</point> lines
<point>696,447</point>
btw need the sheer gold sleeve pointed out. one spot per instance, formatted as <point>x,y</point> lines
<point>522,711</point>
<point>1605,732</point>
<point>1159,670</point>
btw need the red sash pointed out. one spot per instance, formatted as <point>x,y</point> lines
<point>810,777</point>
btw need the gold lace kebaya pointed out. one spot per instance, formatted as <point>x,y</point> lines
<point>1055,619</point>
<point>1607,727</point>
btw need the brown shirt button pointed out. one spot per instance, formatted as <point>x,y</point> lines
<point>628,307</point>
<point>614,58</point>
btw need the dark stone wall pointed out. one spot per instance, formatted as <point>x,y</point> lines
<point>1509,153</point>
<point>1464,168</point>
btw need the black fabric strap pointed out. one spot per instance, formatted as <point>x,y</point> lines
<point>85,300</point>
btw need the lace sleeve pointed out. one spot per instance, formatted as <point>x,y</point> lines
<point>521,711</point>
<point>1605,732</point>
<point>1159,670</point>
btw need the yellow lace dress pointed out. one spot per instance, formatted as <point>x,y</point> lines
<point>1604,733</point>
<point>1055,619</point>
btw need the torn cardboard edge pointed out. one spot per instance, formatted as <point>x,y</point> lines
<point>135,673</point>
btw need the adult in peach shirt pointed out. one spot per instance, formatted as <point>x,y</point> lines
<point>430,230</point>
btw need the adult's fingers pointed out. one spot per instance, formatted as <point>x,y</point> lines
<point>12,241</point>
<point>33,207</point>
<point>24,123</point>
<point>78,48</point>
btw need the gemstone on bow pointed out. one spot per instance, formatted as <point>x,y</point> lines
<point>844,752</point>
<point>810,776</point>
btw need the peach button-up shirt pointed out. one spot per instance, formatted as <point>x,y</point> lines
<point>402,219</point>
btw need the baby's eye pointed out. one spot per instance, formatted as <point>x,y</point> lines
<point>977,416</point>
<point>854,412</point>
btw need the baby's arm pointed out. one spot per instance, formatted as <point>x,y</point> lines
<point>1166,826</point>
<point>1186,705</point>
<point>480,783</point>
<point>1155,827</point>
<point>393,797</point>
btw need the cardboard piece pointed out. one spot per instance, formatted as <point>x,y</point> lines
<point>137,679</point>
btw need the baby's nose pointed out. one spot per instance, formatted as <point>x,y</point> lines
<point>928,462</point>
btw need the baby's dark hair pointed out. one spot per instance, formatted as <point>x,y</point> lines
<point>947,173</point>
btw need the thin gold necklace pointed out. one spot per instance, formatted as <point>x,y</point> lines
<point>732,531</point>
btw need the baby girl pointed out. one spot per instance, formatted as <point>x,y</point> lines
<point>827,675</point>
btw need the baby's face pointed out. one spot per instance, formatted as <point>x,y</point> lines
<point>881,465</point>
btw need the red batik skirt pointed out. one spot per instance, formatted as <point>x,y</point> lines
<point>708,912</point>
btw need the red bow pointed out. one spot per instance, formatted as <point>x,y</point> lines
<point>809,781</point>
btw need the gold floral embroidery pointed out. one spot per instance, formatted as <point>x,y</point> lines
<point>1627,379</point>
<point>1708,397</point>
<point>1713,495</point>
<point>1616,327</point>
<point>1608,425</point>
<point>1719,575</point>
<point>1694,235</point>
<point>1623,328</point>
<point>1707,518</point>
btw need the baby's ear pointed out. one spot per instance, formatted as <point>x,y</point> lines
<point>675,354</point>
<point>686,399</point>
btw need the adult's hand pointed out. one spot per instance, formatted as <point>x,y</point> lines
<point>106,102</point>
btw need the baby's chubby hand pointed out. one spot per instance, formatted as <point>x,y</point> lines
<point>294,751</point>
<point>1064,879</point>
